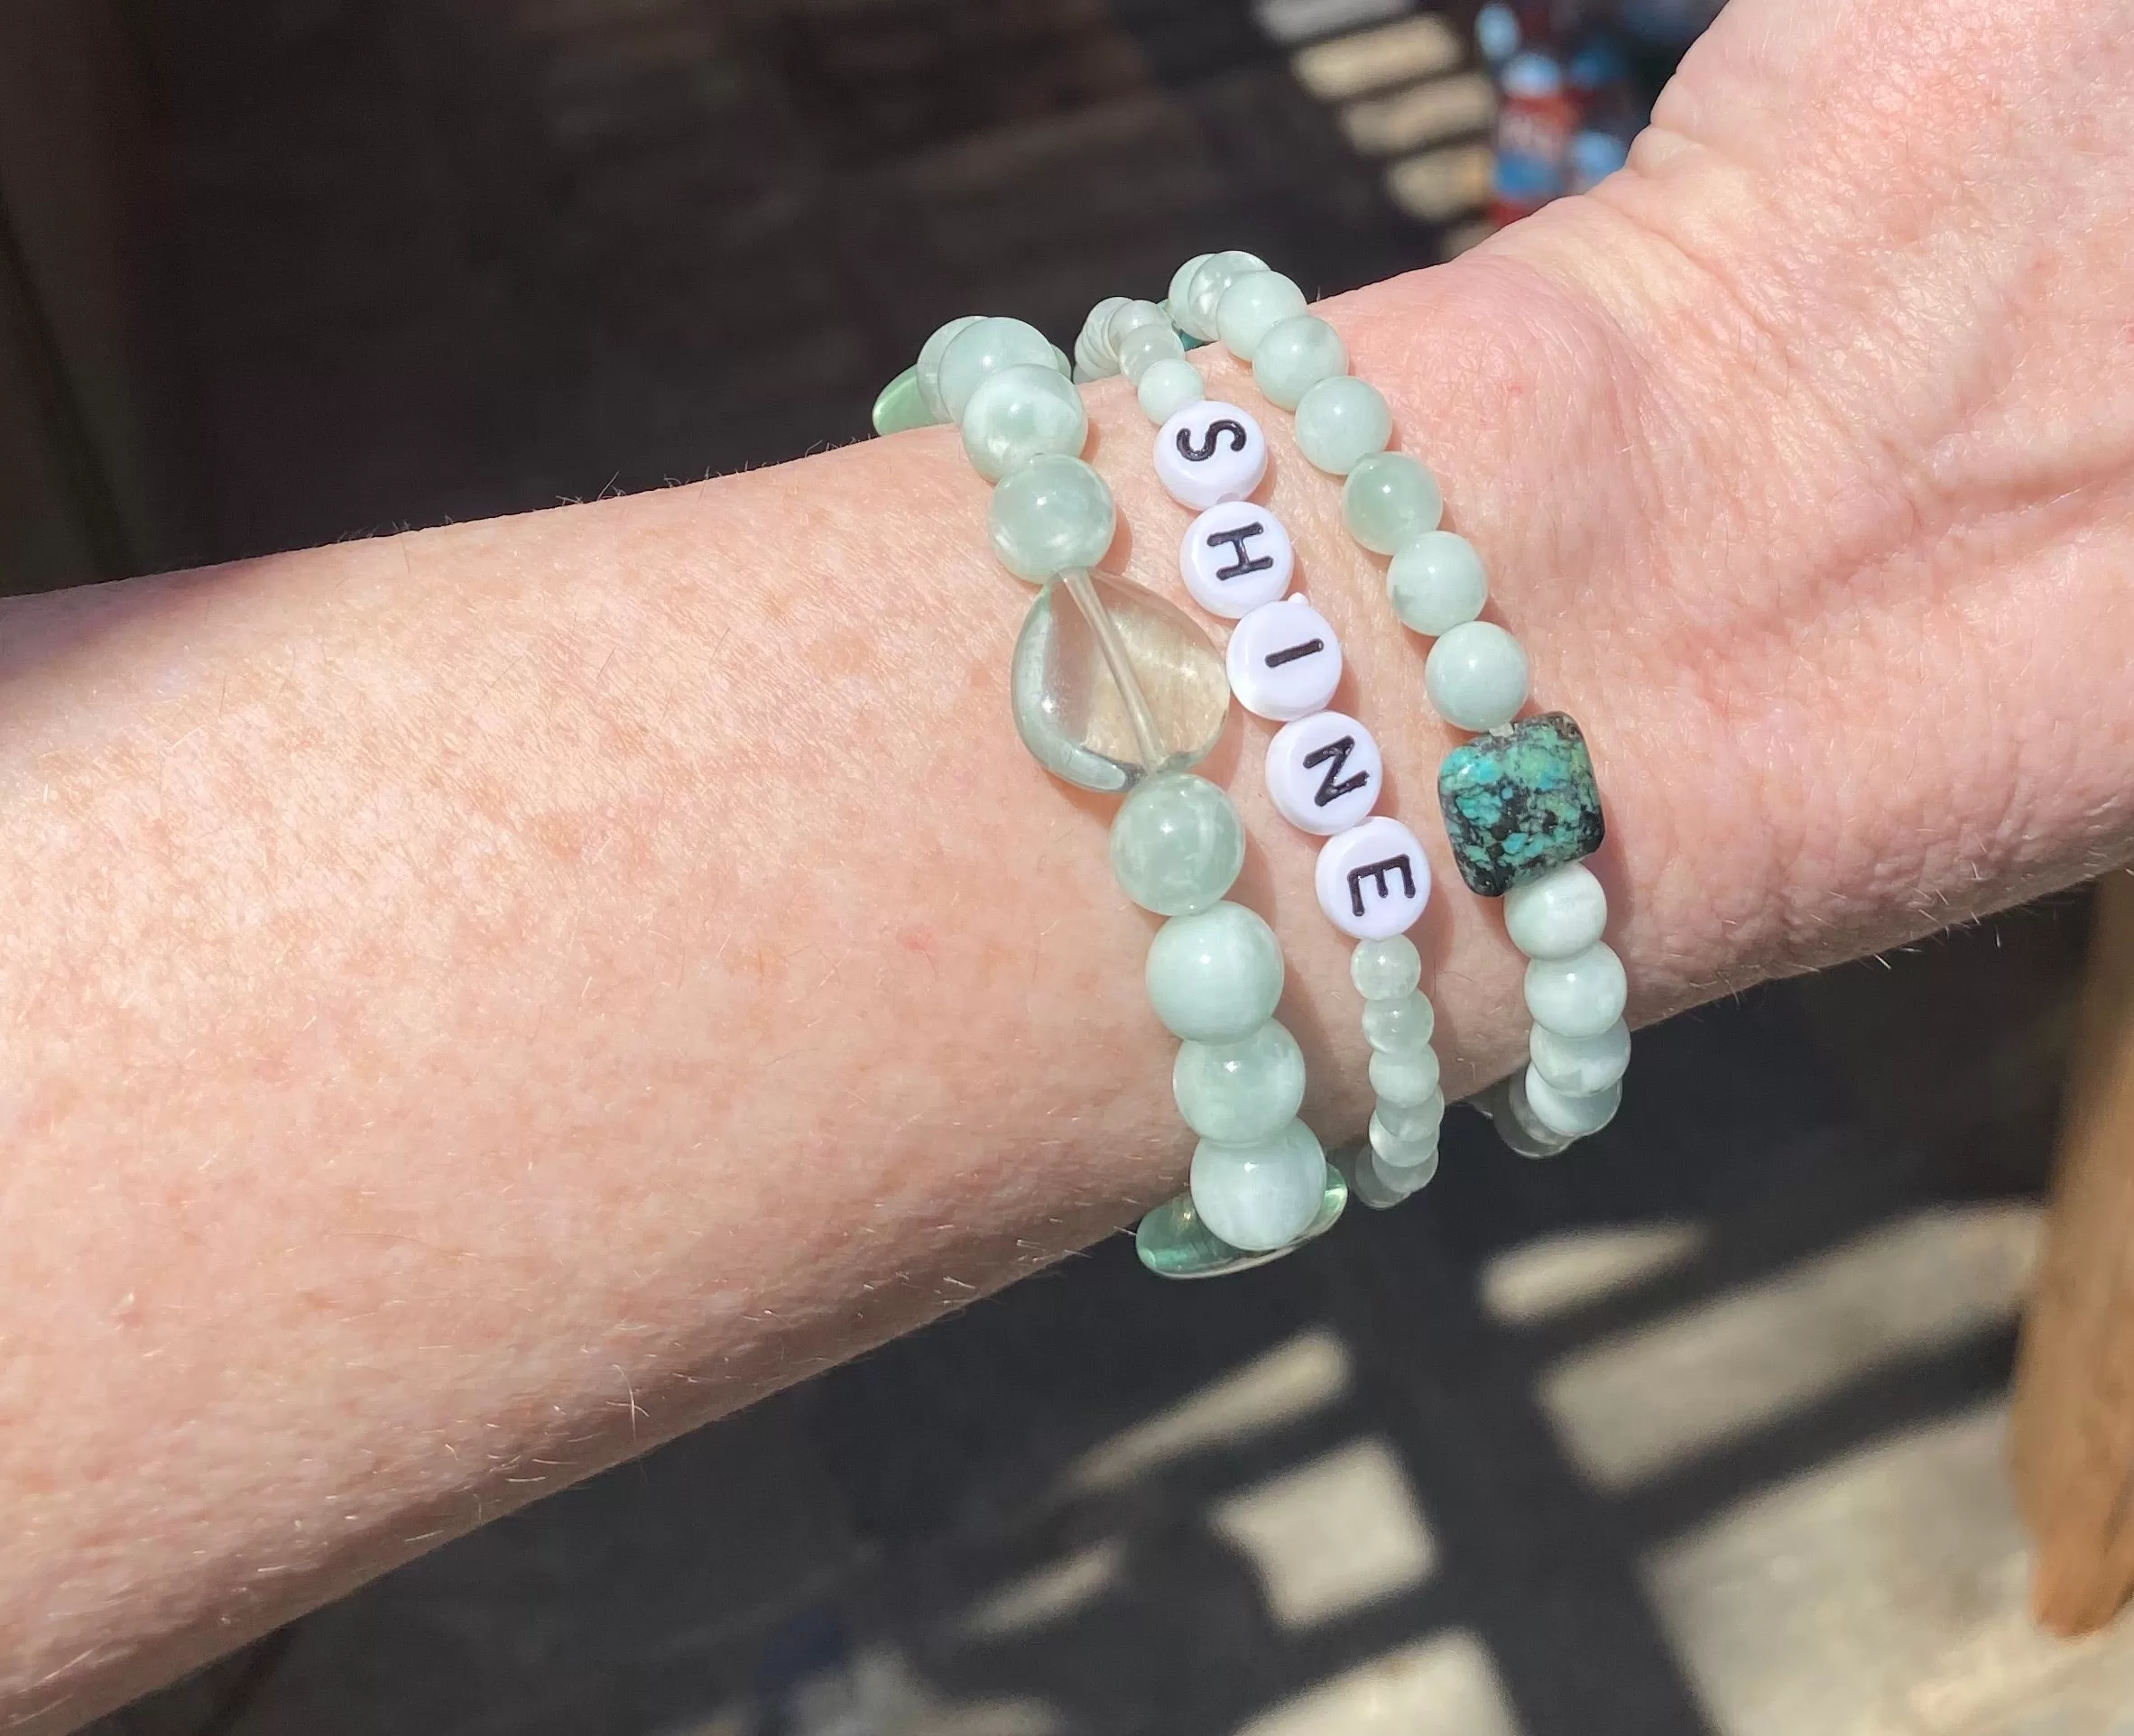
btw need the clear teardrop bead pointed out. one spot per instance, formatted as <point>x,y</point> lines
<point>1112,683</point>
<point>1173,1242</point>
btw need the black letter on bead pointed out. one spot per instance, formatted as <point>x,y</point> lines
<point>1338,751</point>
<point>1202,453</point>
<point>1275,660</point>
<point>1240,563</point>
<point>1378,870</point>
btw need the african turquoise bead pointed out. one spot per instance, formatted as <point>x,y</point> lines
<point>1520,802</point>
<point>1386,970</point>
<point>1342,422</point>
<point>1401,1026</point>
<point>1176,845</point>
<point>985,347</point>
<point>1388,500</point>
<point>1437,583</point>
<point>1295,355</point>
<point>1579,996</point>
<point>1020,413</point>
<point>1167,388</point>
<point>1476,676</point>
<point>1216,976</point>
<point>1049,516</point>
<point>900,406</point>
<point>1173,1242</point>
<point>1263,1195</point>
<point>1252,306</point>
<point>1240,1092</point>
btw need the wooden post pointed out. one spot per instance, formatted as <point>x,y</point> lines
<point>2072,1432</point>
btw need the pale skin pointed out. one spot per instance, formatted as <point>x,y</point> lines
<point>477,1003</point>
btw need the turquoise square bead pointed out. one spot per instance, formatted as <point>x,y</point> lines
<point>1521,802</point>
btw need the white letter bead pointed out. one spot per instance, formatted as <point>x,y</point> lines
<point>1235,557</point>
<point>1324,773</point>
<point>1373,880</point>
<point>1210,452</point>
<point>1284,661</point>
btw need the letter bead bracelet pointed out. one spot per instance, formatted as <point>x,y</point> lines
<point>1118,691</point>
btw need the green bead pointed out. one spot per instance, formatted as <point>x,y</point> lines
<point>1407,1078</point>
<point>1216,975</point>
<point>1437,583</point>
<point>1385,970</point>
<point>1019,413</point>
<point>1252,306</point>
<point>1173,1242</point>
<point>1052,515</point>
<point>1177,844</point>
<point>1341,423</point>
<point>1388,500</point>
<point>1518,802</point>
<point>928,368</point>
<point>981,349</point>
<point>1400,1027</point>
<point>1295,357</point>
<point>1240,1092</point>
<point>1167,388</point>
<point>902,405</point>
<point>1263,1195</point>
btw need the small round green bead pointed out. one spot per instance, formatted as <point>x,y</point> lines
<point>1413,1123</point>
<point>1297,355</point>
<point>1252,306</point>
<point>1385,970</point>
<point>1051,516</point>
<point>1398,1027</point>
<point>1389,500</point>
<point>1341,423</point>
<point>1168,387</point>
<point>1240,1092</point>
<point>928,369</point>
<point>1020,413</point>
<point>1216,976</point>
<point>983,348</point>
<point>1437,583</point>
<point>1407,1078</point>
<point>1177,844</point>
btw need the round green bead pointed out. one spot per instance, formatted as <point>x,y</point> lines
<point>1240,1092</point>
<point>1341,423</point>
<point>1263,1195</point>
<point>981,349</point>
<point>1020,413</point>
<point>1216,976</point>
<point>1168,387</point>
<point>1407,1078</point>
<point>928,369</point>
<point>1295,355</point>
<point>1437,583</point>
<point>1053,514</point>
<point>900,405</point>
<point>1252,306</point>
<point>1400,1027</point>
<point>1385,970</point>
<point>1388,500</point>
<point>1177,844</point>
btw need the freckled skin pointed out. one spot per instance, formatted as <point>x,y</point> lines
<point>459,1022</point>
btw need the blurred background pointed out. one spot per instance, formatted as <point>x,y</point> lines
<point>1696,1434</point>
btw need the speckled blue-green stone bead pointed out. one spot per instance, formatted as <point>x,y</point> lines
<point>1399,1026</point>
<point>1216,975</point>
<point>1177,844</point>
<point>1019,413</point>
<point>1390,499</point>
<point>1173,1242</point>
<point>1263,1195</point>
<point>1341,423</point>
<point>1295,355</point>
<point>1520,802</point>
<point>1386,970</point>
<point>1051,514</point>
<point>1240,1092</point>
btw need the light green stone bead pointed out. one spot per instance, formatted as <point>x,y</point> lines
<point>1400,1027</point>
<point>1167,388</point>
<point>1563,912</point>
<point>1093,354</point>
<point>1295,355</point>
<point>900,405</point>
<point>1263,1195</point>
<point>1389,500</point>
<point>1407,1078</point>
<point>1341,423</point>
<point>1413,1122</point>
<point>1177,844</point>
<point>1173,1242</point>
<point>1397,1153</point>
<point>1437,583</point>
<point>1240,1092</point>
<point>1181,281</point>
<point>928,369</point>
<point>1196,315</point>
<point>983,348</point>
<point>1053,514</point>
<point>1144,346</point>
<point>1386,970</point>
<point>1581,1065</point>
<point>1579,996</point>
<point>1020,413</point>
<point>1216,976</point>
<point>1476,676</point>
<point>1251,307</point>
<point>1568,1115</point>
<point>1380,1185</point>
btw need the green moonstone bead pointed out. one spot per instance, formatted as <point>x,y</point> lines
<point>1295,357</point>
<point>1437,583</point>
<point>928,368</point>
<point>1196,315</point>
<point>1341,423</point>
<point>900,405</point>
<point>1173,1242</point>
<point>1181,281</point>
<point>1251,307</point>
<point>1145,345</point>
<point>1518,802</point>
<point>1167,388</point>
<point>1418,1121</point>
<point>1176,845</point>
<point>1240,1093</point>
<point>1263,1195</point>
<point>1400,1027</point>
<point>1377,1183</point>
<point>983,348</point>
<point>1395,1152</point>
<point>1385,970</point>
<point>1019,413</point>
<point>1053,513</point>
<point>1407,1078</point>
<point>1216,975</point>
<point>1477,676</point>
<point>1103,699</point>
<point>1388,500</point>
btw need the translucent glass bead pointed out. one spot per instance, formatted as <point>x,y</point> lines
<point>1415,1122</point>
<point>1386,970</point>
<point>1389,500</point>
<point>1397,1153</point>
<point>1216,976</point>
<point>1094,356</point>
<point>1167,388</point>
<point>899,406</point>
<point>1505,1104</point>
<point>1579,996</point>
<point>1070,708</point>
<point>985,347</point>
<point>1581,1065</point>
<point>1196,314</point>
<point>1399,1026</point>
<point>1437,583</point>
<point>1052,515</point>
<point>1340,421</point>
<point>1563,912</point>
<point>1146,346</point>
<point>1240,1092</point>
<point>1020,413</point>
<point>1254,303</point>
<point>1176,845</point>
<point>1407,1078</point>
<point>1173,1242</point>
<point>1476,676</point>
<point>1569,1116</point>
<point>1263,1195</point>
<point>1295,355</point>
<point>928,371</point>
